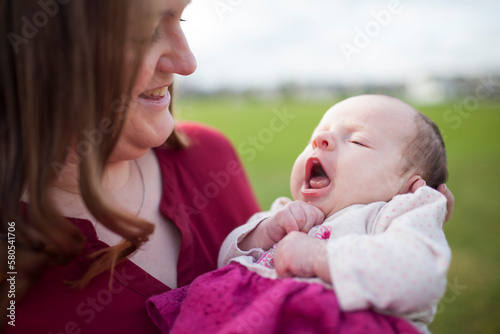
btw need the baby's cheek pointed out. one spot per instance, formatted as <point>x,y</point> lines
<point>296,180</point>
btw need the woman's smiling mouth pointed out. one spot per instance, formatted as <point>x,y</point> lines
<point>158,98</point>
<point>154,94</point>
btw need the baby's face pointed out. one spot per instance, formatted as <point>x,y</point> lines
<point>354,156</point>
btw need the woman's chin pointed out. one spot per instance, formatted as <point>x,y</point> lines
<point>134,147</point>
<point>154,133</point>
<point>141,132</point>
<point>163,128</point>
<point>158,139</point>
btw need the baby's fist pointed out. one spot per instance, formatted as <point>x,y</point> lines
<point>294,216</point>
<point>301,255</point>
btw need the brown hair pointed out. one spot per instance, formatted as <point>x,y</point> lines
<point>426,154</point>
<point>63,71</point>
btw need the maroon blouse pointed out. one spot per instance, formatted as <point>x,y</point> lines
<point>205,193</point>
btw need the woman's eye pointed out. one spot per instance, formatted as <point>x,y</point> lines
<point>156,34</point>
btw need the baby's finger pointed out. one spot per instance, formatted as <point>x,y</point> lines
<point>281,258</point>
<point>286,220</point>
<point>314,217</point>
<point>299,215</point>
<point>319,216</point>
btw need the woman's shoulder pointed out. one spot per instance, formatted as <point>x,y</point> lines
<point>201,136</point>
<point>196,131</point>
<point>206,194</point>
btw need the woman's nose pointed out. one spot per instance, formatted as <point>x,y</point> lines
<point>323,140</point>
<point>178,58</point>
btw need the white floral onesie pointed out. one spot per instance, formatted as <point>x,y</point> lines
<point>390,256</point>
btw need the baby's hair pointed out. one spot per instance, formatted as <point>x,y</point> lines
<point>425,154</point>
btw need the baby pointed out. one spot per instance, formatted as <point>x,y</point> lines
<point>373,230</point>
<point>363,224</point>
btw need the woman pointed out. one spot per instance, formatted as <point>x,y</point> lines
<point>99,220</point>
<point>84,99</point>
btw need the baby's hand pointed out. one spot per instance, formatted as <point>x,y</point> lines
<point>301,255</point>
<point>295,216</point>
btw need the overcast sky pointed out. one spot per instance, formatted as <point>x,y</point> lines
<point>262,43</point>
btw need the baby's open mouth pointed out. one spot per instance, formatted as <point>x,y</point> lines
<point>316,177</point>
<point>154,94</point>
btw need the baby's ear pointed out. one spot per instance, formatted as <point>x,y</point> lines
<point>412,184</point>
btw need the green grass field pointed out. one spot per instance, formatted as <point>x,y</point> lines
<point>268,143</point>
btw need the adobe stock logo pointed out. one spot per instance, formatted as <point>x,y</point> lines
<point>30,28</point>
<point>222,7</point>
<point>461,110</point>
<point>372,29</point>
<point>252,145</point>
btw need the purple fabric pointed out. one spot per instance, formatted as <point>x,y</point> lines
<point>235,300</point>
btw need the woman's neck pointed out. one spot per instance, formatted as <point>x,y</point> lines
<point>116,176</point>
<point>121,184</point>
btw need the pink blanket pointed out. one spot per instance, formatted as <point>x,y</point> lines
<point>235,300</point>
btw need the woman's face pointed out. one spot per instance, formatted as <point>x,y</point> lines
<point>149,122</point>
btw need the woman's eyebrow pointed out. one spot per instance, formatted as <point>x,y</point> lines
<point>171,10</point>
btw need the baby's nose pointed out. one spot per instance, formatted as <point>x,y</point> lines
<point>323,141</point>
